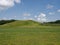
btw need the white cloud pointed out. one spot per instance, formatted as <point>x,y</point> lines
<point>58,10</point>
<point>8,3</point>
<point>41,17</point>
<point>49,6</point>
<point>38,19</point>
<point>18,1</point>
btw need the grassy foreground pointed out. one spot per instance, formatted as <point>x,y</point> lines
<point>41,35</point>
<point>29,33</point>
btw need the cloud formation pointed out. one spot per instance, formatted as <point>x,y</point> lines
<point>41,17</point>
<point>8,3</point>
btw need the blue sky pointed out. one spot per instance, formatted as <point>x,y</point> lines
<point>40,10</point>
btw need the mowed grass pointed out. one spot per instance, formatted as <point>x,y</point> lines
<point>29,35</point>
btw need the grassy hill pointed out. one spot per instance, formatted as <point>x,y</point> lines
<point>28,32</point>
<point>21,23</point>
<point>26,23</point>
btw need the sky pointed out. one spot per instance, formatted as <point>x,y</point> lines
<point>39,10</point>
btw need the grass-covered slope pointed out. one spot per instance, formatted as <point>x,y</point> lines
<point>42,35</point>
<point>21,23</point>
<point>15,33</point>
<point>26,23</point>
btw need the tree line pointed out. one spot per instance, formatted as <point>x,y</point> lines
<point>55,22</point>
<point>2,22</point>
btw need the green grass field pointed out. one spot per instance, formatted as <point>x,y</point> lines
<point>29,35</point>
